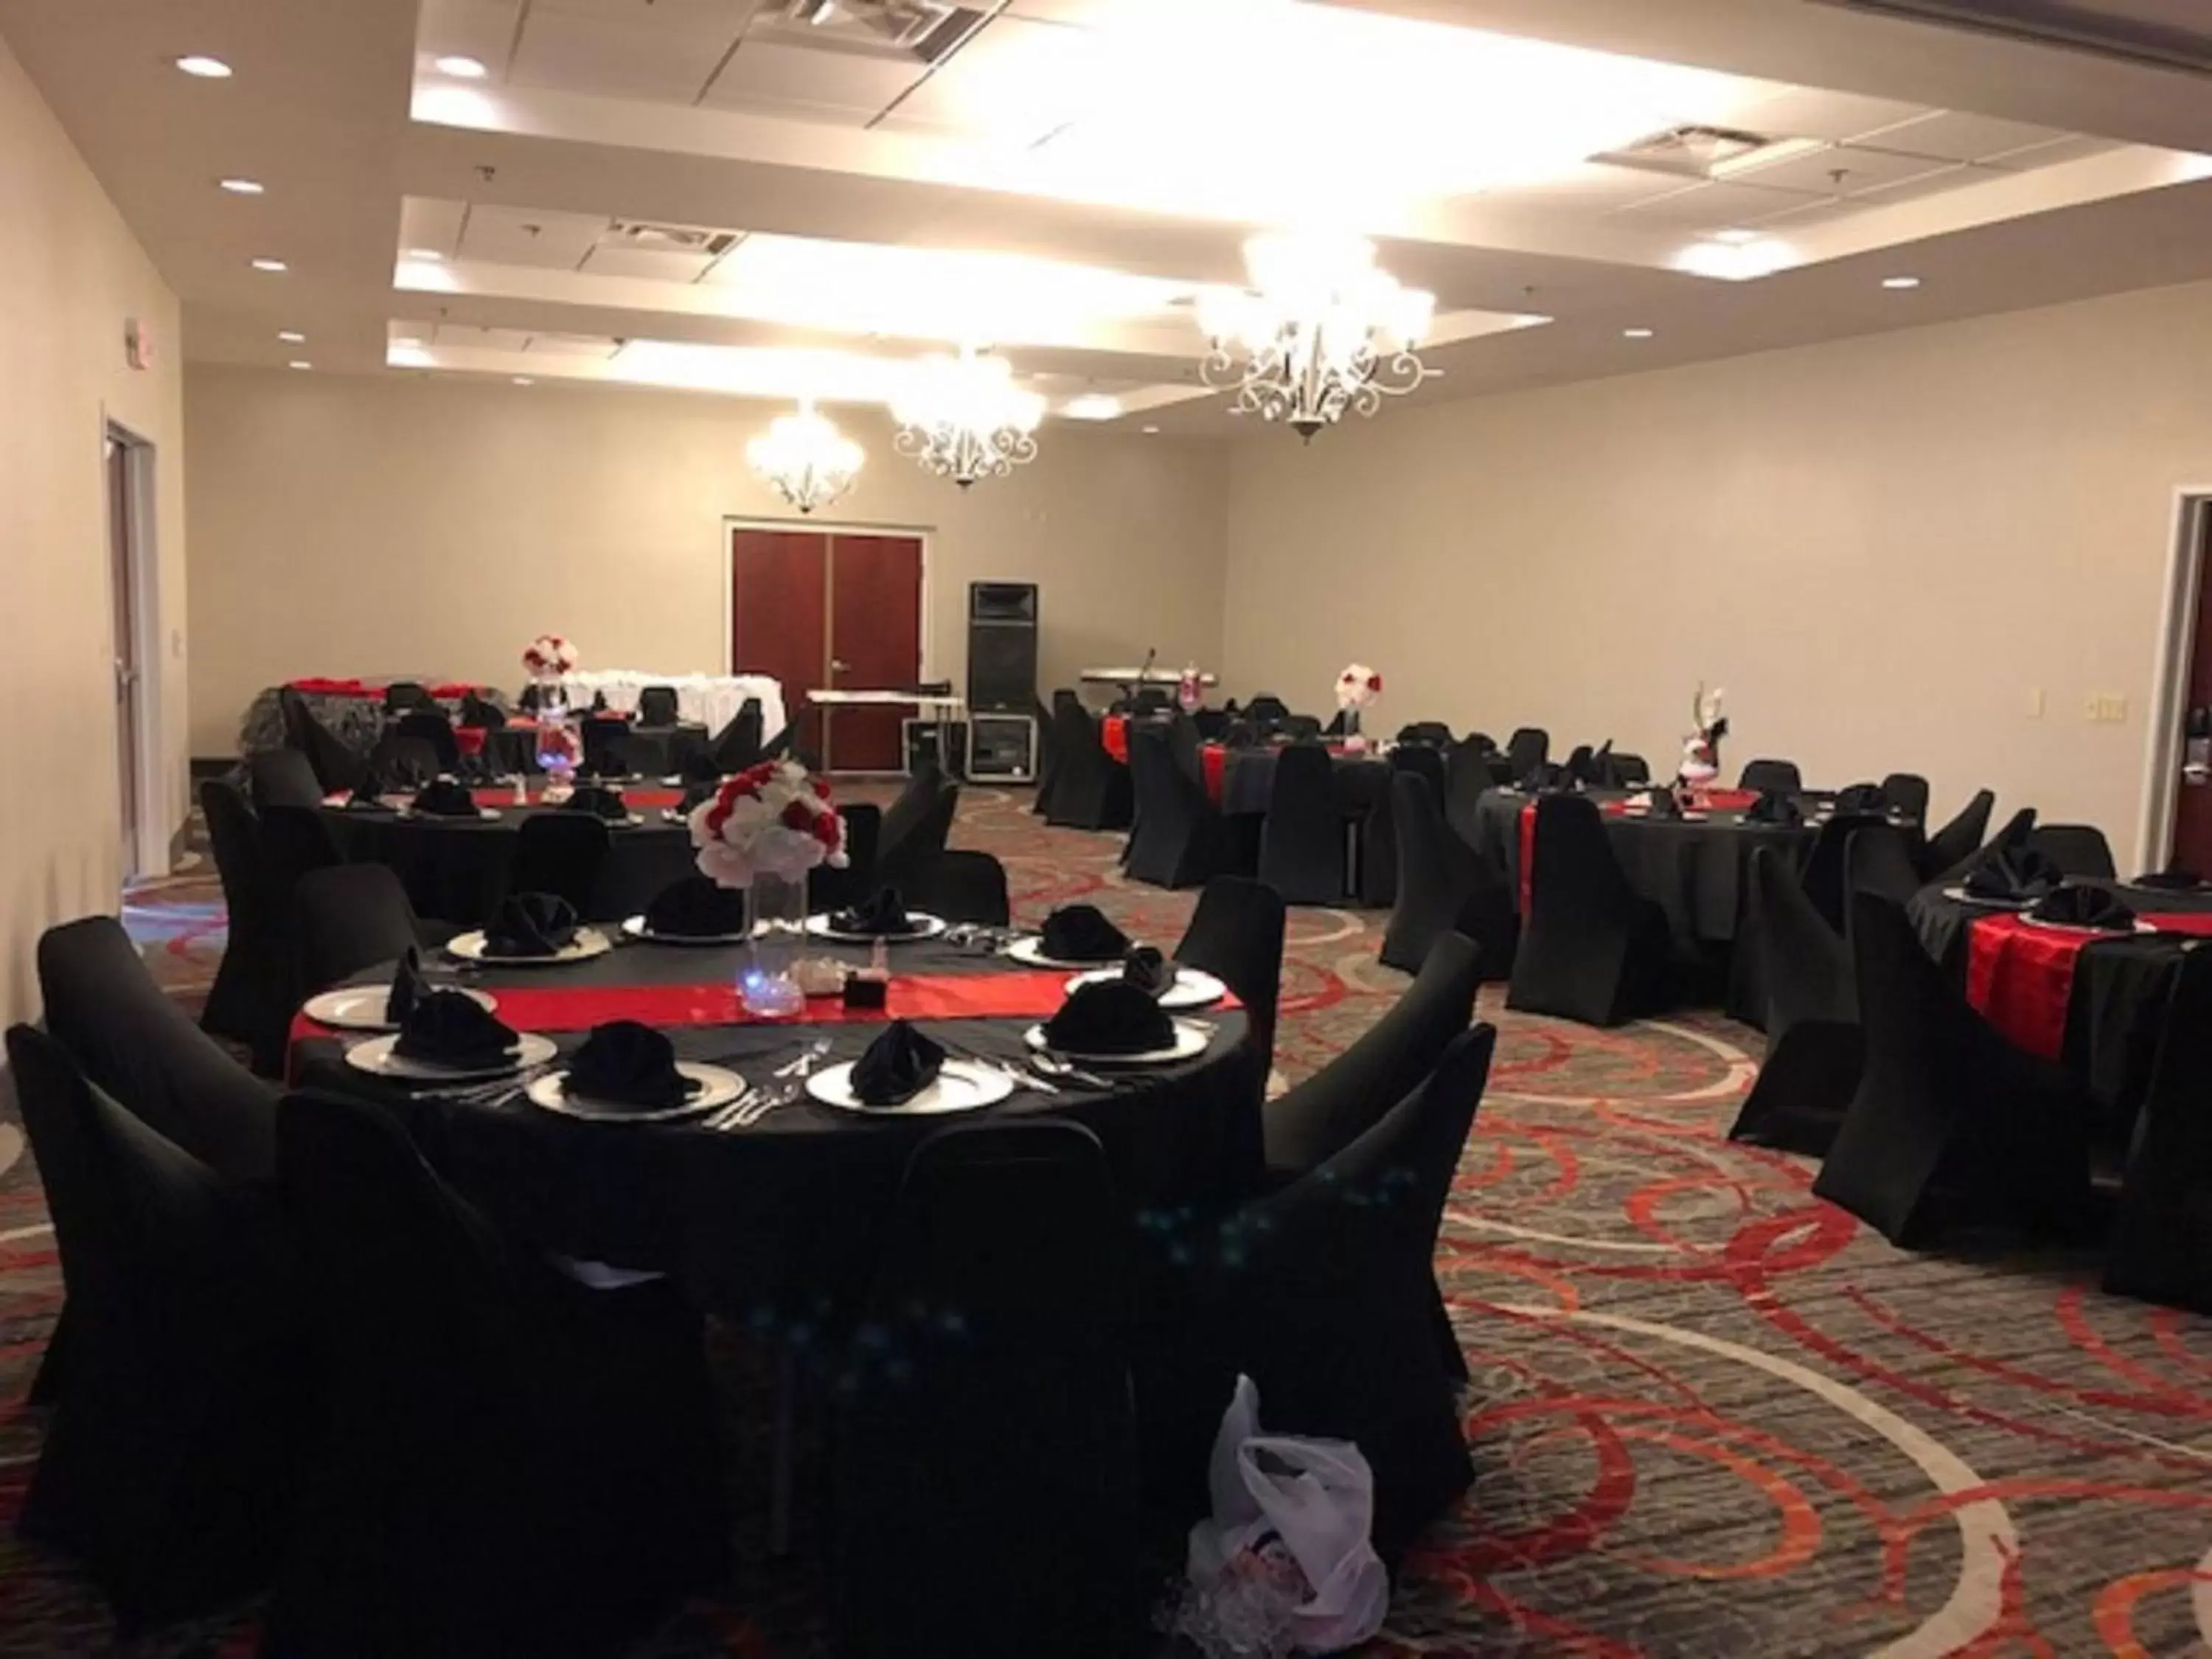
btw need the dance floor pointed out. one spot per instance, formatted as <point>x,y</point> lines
<point>1710,1414</point>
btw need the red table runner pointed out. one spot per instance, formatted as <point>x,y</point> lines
<point>1113,732</point>
<point>316,685</point>
<point>2021,975</point>
<point>638,799</point>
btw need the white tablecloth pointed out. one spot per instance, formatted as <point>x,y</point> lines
<point>712,700</point>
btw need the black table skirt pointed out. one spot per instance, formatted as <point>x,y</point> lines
<point>456,871</point>
<point>780,1221</point>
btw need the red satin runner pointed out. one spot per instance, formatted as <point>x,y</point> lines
<point>2020,977</point>
<point>1113,732</point>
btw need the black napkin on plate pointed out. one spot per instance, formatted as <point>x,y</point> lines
<point>897,1065</point>
<point>408,986</point>
<point>1773,806</point>
<point>623,1063</point>
<point>2085,907</point>
<point>1111,1018</point>
<point>531,925</point>
<point>2012,873</point>
<point>695,908</point>
<point>1150,971</point>
<point>367,795</point>
<point>445,1028</point>
<point>598,800</point>
<point>881,916</point>
<point>444,799</point>
<point>1861,798</point>
<point>1080,933</point>
<point>2174,880</point>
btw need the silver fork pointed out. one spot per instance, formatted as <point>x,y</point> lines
<point>808,1057</point>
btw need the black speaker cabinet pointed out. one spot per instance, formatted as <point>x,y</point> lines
<point>1002,647</point>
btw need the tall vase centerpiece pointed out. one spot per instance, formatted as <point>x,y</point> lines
<point>549,659</point>
<point>1701,749</point>
<point>762,831</point>
<point>1356,687</point>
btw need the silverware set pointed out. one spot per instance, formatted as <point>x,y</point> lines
<point>757,1103</point>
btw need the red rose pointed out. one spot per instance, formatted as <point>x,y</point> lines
<point>1374,682</point>
<point>830,831</point>
<point>822,788</point>
<point>799,816</point>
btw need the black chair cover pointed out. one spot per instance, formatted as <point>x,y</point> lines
<point>482,714</point>
<point>737,745</point>
<point>402,763</point>
<point>1266,709</point>
<point>337,767</point>
<point>402,696</point>
<point>560,852</point>
<point>1444,884</point>
<point>1772,777</point>
<point>2078,849</point>
<point>431,726</point>
<point>183,1411</point>
<point>1949,1117</point>
<point>1092,790</point>
<point>1827,876</point>
<point>1813,1046</point>
<point>282,777</point>
<point>1467,779</point>
<point>1236,933</point>
<point>656,706</point>
<point>1592,948</point>
<point>1435,733</point>
<point>1880,861</point>
<point>1324,1294</point>
<point>830,890</point>
<point>606,747</point>
<point>1529,748</point>
<point>515,1464</point>
<point>1299,728</point>
<point>1423,763</point>
<point>1619,769</point>
<point>251,982</point>
<point>962,886</point>
<point>1048,758</point>
<point>1302,841</point>
<point>2160,1247</point>
<point>1179,839</point>
<point>1908,792</point>
<point>1187,747</point>
<point>916,826</point>
<point>1960,839</point>
<point>349,919</point>
<point>984,1451</point>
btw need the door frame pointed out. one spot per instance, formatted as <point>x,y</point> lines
<point>922,533</point>
<point>144,561</point>
<point>2186,553</point>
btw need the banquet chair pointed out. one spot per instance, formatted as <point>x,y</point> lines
<point>1092,790</point>
<point>401,762</point>
<point>1907,792</point>
<point>2012,837</point>
<point>606,746</point>
<point>1467,780</point>
<point>1814,1045</point>
<point>1444,884</point>
<point>1779,777</point>
<point>282,777</point>
<point>431,726</point>
<point>1581,765</point>
<point>1302,839</point>
<point>1423,763</point>
<point>829,889</point>
<point>1949,1119</point>
<point>1622,770</point>
<point>1826,877</point>
<point>1236,933</point>
<point>516,1464</point>
<point>402,696</point>
<point>2078,849</point>
<point>962,886</point>
<point>983,1451</point>
<point>251,981</point>
<point>1188,746</point>
<point>1959,839</point>
<point>345,920</point>
<point>562,854</point>
<point>181,1413</point>
<point>1299,728</point>
<point>1048,758</point>
<point>1266,710</point>
<point>737,745</point>
<point>1529,748</point>
<point>1592,948</point>
<point>337,767</point>
<point>656,706</point>
<point>1179,839</point>
<point>1878,859</point>
<point>2160,1247</point>
<point>482,714</point>
<point>1435,733</point>
<point>1150,700</point>
<point>916,826</point>
<point>1324,1294</point>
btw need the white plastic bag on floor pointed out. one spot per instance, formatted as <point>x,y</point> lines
<point>1284,1564</point>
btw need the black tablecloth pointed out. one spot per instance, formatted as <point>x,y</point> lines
<point>653,751</point>
<point>1363,800</point>
<point>455,870</point>
<point>781,1219</point>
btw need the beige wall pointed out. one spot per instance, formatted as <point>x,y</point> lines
<point>1881,548</point>
<point>350,525</point>
<point>69,275</point>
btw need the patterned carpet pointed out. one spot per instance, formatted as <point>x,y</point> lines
<point>1710,1414</point>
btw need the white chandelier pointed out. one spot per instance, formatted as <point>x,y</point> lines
<point>964,418</point>
<point>1326,331</point>
<point>804,458</point>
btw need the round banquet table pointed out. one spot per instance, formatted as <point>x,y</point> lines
<point>455,870</point>
<point>780,1219</point>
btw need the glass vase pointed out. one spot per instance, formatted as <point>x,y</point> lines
<point>775,917</point>
<point>1354,744</point>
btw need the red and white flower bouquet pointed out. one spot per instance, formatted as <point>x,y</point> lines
<point>549,656</point>
<point>772,819</point>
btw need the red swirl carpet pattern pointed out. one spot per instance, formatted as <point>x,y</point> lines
<point>1710,1415</point>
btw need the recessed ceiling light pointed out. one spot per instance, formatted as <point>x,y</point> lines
<point>429,256</point>
<point>523,379</point>
<point>270,265</point>
<point>1736,238</point>
<point>242,186</point>
<point>292,336</point>
<point>299,362</point>
<point>1637,333</point>
<point>1091,406</point>
<point>1900,282</point>
<point>206,69</point>
<point>462,69</point>
<point>1151,432</point>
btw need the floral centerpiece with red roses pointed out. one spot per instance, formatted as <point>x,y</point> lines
<point>762,831</point>
<point>1356,687</point>
<point>549,657</point>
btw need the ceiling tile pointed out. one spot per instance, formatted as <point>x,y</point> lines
<point>462,336</point>
<point>523,236</point>
<point>1014,81</point>
<point>573,51</point>
<point>1957,137</point>
<point>660,265</point>
<point>1814,171</point>
<point>1927,185</point>
<point>1710,208</point>
<point>1810,113</point>
<point>722,17</point>
<point>482,29</point>
<point>763,72</point>
<point>574,345</point>
<point>1594,187</point>
<point>2070,149</point>
<point>432,224</point>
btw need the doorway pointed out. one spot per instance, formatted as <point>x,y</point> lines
<point>2177,828</point>
<point>831,608</point>
<point>130,463</point>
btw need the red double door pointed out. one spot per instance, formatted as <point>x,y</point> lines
<point>830,610</point>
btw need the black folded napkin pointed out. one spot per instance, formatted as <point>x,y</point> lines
<point>1111,1018</point>
<point>1080,933</point>
<point>1773,806</point>
<point>367,795</point>
<point>599,703</point>
<point>444,799</point>
<point>2012,873</point>
<point>897,1065</point>
<point>695,908</point>
<point>409,988</point>
<point>1150,971</point>
<point>2085,907</point>
<point>1861,798</point>
<point>2176,880</point>
<point>600,801</point>
<point>531,925</point>
<point>882,916</point>
<point>445,1028</point>
<point>623,1063</point>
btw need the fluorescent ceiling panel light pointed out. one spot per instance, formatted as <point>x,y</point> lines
<point>1637,333</point>
<point>292,336</point>
<point>204,69</point>
<point>241,186</point>
<point>1093,406</point>
<point>427,255</point>
<point>462,69</point>
<point>1900,282</point>
<point>272,266</point>
<point>1737,262</point>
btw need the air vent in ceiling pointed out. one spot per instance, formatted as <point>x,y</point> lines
<point>923,30</point>
<point>2164,34</point>
<point>1690,152</point>
<point>668,238</point>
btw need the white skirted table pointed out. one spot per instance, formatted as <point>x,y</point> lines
<point>710,700</point>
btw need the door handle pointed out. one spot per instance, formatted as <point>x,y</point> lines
<point>838,665</point>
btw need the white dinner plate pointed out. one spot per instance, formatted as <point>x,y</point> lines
<point>2141,927</point>
<point>1960,896</point>
<point>1193,987</point>
<point>588,943</point>
<point>717,1087</point>
<point>634,927</point>
<point>361,1007</point>
<point>962,1087</point>
<point>375,1057</point>
<point>1190,1042</point>
<point>1031,950</point>
<point>925,927</point>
